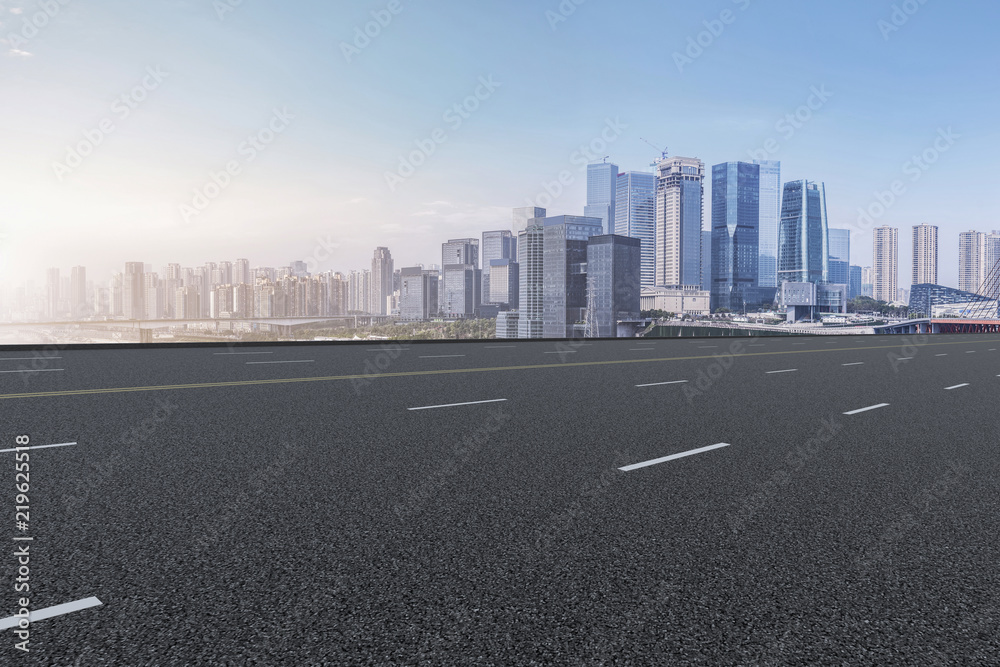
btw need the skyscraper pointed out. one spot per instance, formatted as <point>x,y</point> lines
<point>602,187</point>
<point>735,226</point>
<point>803,239</point>
<point>867,281</point>
<point>991,270</point>
<point>706,261</point>
<point>525,214</point>
<point>564,268</point>
<point>679,202</point>
<point>925,254</point>
<point>78,292</point>
<point>613,286</point>
<point>530,255</point>
<point>418,293</point>
<point>971,261</point>
<point>840,256</point>
<point>770,219</point>
<point>381,280</point>
<point>886,263</point>
<point>496,245</point>
<point>133,288</point>
<point>242,272</point>
<point>462,282</point>
<point>635,216</point>
<point>503,283</point>
<point>854,289</point>
<point>52,293</point>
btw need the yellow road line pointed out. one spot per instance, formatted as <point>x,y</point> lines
<point>333,378</point>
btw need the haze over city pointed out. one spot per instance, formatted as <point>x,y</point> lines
<point>182,86</point>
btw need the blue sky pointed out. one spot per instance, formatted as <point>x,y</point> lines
<point>322,179</point>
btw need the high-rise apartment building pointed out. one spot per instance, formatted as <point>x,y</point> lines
<point>635,216</point>
<point>867,281</point>
<point>803,238</point>
<point>78,292</point>
<point>925,255</point>
<point>679,203</point>
<point>133,291</point>
<point>530,255</point>
<point>735,226</point>
<point>971,261</point>
<point>241,272</point>
<point>770,220</point>
<point>991,266</point>
<point>602,188</point>
<point>613,283</point>
<point>154,297</point>
<point>885,263</point>
<point>53,288</point>
<point>382,271</point>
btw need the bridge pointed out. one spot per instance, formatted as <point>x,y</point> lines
<point>141,331</point>
<point>945,326</point>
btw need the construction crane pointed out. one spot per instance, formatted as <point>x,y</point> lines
<point>663,153</point>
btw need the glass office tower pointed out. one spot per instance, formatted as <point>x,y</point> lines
<point>770,217</point>
<point>635,217</point>
<point>601,191</point>
<point>840,256</point>
<point>803,238</point>
<point>735,229</point>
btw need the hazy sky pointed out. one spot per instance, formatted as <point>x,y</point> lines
<point>183,84</point>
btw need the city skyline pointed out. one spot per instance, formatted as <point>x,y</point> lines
<point>319,174</point>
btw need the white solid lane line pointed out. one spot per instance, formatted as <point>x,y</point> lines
<point>790,370</point>
<point>672,457</point>
<point>940,355</point>
<point>49,612</point>
<point>22,449</point>
<point>36,370</point>
<point>642,349</point>
<point>957,386</point>
<point>660,384</point>
<point>563,352</point>
<point>870,407</point>
<point>294,361</point>
<point>856,363</point>
<point>455,405</point>
<point>499,347</point>
<point>442,356</point>
<point>26,358</point>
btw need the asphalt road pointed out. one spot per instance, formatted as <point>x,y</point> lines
<point>227,511</point>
